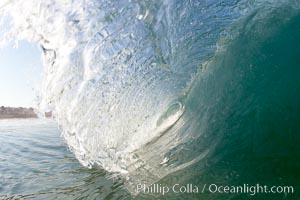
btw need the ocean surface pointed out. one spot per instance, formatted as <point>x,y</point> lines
<point>166,91</point>
<point>35,163</point>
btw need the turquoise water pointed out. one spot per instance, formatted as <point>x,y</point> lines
<point>167,92</point>
<point>36,164</point>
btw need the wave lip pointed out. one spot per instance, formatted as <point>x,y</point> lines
<point>136,86</point>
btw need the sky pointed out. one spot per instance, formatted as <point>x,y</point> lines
<point>20,74</point>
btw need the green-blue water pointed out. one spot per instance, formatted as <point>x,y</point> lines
<point>36,164</point>
<point>166,92</point>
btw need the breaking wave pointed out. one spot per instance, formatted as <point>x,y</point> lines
<point>143,89</point>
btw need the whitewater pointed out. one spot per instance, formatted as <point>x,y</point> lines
<point>144,89</point>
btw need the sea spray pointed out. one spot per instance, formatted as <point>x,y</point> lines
<point>134,85</point>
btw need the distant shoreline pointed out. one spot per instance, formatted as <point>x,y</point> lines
<point>19,112</point>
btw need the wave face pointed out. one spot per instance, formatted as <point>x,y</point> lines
<point>146,88</point>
